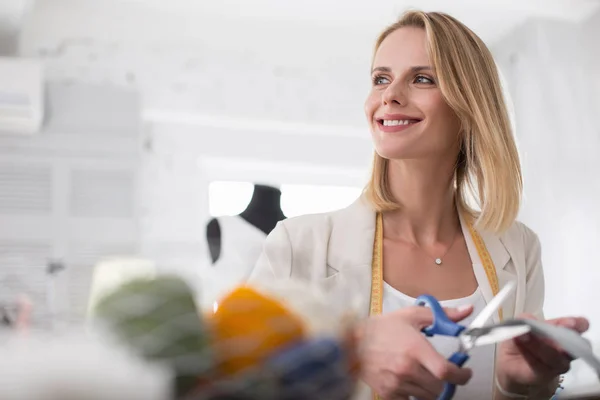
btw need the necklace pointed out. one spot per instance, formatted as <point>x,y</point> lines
<point>438,260</point>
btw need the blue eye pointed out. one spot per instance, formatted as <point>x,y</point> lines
<point>423,79</point>
<point>380,80</point>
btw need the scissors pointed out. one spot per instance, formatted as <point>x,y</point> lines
<point>476,334</point>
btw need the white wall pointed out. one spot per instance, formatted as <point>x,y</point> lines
<point>553,73</point>
<point>180,160</point>
<point>69,193</point>
<point>189,64</point>
<point>174,203</point>
<point>553,86</point>
<point>216,105</point>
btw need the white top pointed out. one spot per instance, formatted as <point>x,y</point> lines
<point>481,359</point>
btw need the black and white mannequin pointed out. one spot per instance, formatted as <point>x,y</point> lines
<point>263,212</point>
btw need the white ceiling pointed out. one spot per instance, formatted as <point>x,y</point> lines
<point>489,18</point>
<point>12,11</point>
<point>11,19</point>
<point>198,60</point>
<point>366,12</point>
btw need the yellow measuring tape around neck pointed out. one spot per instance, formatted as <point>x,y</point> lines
<point>377,267</point>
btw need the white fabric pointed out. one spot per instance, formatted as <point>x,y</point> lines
<point>241,245</point>
<point>481,359</point>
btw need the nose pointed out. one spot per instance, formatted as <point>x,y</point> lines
<point>393,94</point>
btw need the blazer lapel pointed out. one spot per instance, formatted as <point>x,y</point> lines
<point>350,253</point>
<point>498,253</point>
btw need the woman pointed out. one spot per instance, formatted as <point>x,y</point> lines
<point>443,140</point>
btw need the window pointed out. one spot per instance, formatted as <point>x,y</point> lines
<point>308,199</point>
<point>228,198</point>
<point>231,198</point>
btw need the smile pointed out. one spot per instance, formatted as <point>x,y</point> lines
<point>395,125</point>
<point>394,122</point>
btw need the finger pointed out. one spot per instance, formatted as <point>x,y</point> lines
<point>388,389</point>
<point>427,381</point>
<point>460,313</point>
<point>397,389</point>
<point>438,366</point>
<point>552,344</point>
<point>410,389</point>
<point>413,372</point>
<point>534,363</point>
<point>396,396</point>
<point>410,370</point>
<point>421,317</point>
<point>553,359</point>
<point>578,324</point>
<point>539,366</point>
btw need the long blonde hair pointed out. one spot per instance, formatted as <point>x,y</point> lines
<point>488,170</point>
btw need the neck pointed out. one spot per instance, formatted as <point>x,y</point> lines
<point>265,199</point>
<point>425,190</point>
<point>264,210</point>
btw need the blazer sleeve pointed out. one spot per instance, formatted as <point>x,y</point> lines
<point>534,300</point>
<point>275,261</point>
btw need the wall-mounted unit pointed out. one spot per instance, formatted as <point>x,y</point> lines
<point>21,96</point>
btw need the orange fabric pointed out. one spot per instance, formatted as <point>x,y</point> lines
<point>248,327</point>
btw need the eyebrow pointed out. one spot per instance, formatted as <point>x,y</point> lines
<point>414,69</point>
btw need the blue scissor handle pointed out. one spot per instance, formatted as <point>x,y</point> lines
<point>442,325</point>
<point>459,359</point>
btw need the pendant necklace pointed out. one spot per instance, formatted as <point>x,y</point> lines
<point>438,260</point>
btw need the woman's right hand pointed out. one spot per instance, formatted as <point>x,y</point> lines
<point>397,360</point>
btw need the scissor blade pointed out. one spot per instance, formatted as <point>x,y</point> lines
<point>496,334</point>
<point>493,305</point>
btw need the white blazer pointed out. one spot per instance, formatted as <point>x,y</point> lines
<point>334,252</point>
<point>336,248</point>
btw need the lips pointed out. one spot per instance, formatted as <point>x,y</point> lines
<point>397,122</point>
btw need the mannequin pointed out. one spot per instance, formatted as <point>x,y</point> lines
<point>263,212</point>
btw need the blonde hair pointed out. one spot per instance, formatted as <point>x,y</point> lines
<point>488,167</point>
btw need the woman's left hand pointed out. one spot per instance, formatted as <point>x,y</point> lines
<point>530,364</point>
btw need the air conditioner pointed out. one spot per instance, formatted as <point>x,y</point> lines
<point>21,96</point>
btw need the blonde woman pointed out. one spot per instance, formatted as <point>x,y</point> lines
<point>442,136</point>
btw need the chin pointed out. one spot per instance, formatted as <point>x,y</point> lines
<point>395,153</point>
<point>394,147</point>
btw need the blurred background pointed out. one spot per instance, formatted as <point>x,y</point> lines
<point>134,133</point>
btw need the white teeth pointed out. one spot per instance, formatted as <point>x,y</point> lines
<point>394,122</point>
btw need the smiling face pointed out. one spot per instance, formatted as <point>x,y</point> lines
<point>407,113</point>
